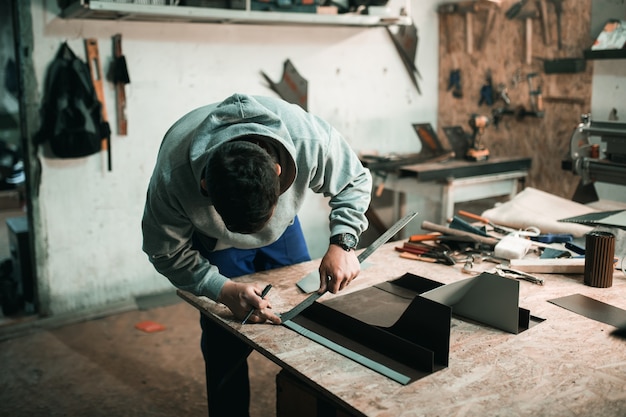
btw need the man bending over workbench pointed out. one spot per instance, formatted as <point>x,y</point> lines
<point>222,202</point>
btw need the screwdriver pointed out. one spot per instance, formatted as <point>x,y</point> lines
<point>553,238</point>
<point>496,228</point>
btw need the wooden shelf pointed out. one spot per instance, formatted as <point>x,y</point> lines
<point>107,10</point>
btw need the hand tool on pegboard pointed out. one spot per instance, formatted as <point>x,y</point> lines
<point>120,79</point>
<point>535,94</point>
<point>543,13</point>
<point>454,83</point>
<point>515,9</point>
<point>467,9</point>
<point>95,69</point>
<point>558,9</point>
<point>527,16</point>
<point>492,7</point>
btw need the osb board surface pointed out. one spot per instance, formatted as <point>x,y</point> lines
<point>544,139</point>
<point>566,365</point>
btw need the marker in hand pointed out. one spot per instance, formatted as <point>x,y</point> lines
<point>267,289</point>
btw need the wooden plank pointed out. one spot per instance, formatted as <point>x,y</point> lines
<point>95,69</point>
<point>550,266</point>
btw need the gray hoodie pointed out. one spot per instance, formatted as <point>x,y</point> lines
<point>176,207</point>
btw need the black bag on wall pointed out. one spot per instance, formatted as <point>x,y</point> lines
<point>72,121</point>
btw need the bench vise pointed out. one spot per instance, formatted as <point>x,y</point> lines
<point>603,161</point>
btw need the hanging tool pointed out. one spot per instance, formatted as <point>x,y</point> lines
<point>543,13</point>
<point>535,94</point>
<point>120,79</point>
<point>486,91</point>
<point>514,10</point>
<point>558,9</point>
<point>467,9</point>
<point>503,93</point>
<point>454,83</point>
<point>95,69</point>
<point>405,40</point>
<point>492,7</point>
<point>292,87</point>
<point>527,17</point>
<point>289,315</point>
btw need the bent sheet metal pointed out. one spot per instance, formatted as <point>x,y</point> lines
<point>361,257</point>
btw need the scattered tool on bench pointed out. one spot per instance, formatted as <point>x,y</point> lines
<point>505,271</point>
<point>289,315</point>
<point>430,252</point>
<point>484,220</point>
<point>489,241</point>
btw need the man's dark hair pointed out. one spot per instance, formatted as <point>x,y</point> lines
<point>243,185</point>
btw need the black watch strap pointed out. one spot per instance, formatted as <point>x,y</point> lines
<point>347,241</point>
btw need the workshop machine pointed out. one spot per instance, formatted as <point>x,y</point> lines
<point>477,150</point>
<point>604,161</point>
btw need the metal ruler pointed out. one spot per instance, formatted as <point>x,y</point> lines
<point>289,315</point>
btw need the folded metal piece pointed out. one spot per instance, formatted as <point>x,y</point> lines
<point>361,257</point>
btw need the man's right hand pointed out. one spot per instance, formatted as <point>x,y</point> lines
<point>240,297</point>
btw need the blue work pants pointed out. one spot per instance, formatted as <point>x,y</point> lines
<point>225,355</point>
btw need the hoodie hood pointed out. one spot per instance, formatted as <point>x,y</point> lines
<point>242,115</point>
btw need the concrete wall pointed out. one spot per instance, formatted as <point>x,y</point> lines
<point>90,218</point>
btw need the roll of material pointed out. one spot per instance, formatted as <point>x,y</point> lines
<point>599,258</point>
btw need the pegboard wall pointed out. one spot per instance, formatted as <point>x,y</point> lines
<point>545,135</point>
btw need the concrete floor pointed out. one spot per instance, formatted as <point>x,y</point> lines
<point>106,367</point>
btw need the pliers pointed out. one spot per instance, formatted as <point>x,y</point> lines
<point>505,271</point>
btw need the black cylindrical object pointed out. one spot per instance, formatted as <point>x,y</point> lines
<point>599,258</point>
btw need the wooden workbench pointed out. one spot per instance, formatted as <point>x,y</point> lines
<point>567,365</point>
<point>457,181</point>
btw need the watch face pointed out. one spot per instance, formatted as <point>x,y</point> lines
<point>345,240</point>
<point>349,240</point>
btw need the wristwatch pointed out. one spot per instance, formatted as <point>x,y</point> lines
<point>346,240</point>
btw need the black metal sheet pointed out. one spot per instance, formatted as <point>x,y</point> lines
<point>592,309</point>
<point>390,324</point>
